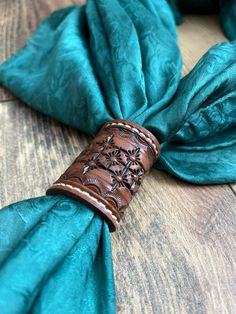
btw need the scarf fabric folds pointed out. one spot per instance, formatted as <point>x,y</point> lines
<point>84,66</point>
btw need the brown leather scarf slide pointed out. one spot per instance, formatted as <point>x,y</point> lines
<point>110,170</point>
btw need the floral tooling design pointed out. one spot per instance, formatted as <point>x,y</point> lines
<point>124,165</point>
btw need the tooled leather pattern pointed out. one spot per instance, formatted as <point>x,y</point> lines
<point>109,168</point>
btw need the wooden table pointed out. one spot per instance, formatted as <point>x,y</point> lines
<point>180,255</point>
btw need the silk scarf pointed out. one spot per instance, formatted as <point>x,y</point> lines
<point>85,66</point>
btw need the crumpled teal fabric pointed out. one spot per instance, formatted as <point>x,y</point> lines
<point>225,8</point>
<point>55,257</point>
<point>84,66</point>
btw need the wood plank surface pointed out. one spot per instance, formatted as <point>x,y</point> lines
<point>197,34</point>
<point>175,251</point>
<point>234,187</point>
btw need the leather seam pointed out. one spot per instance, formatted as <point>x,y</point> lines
<point>107,211</point>
<point>148,139</point>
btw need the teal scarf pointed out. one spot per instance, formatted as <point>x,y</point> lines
<point>84,66</point>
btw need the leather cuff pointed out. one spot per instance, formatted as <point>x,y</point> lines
<point>110,169</point>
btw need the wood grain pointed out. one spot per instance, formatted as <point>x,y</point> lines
<point>175,251</point>
<point>196,35</point>
<point>233,186</point>
<point>180,249</point>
